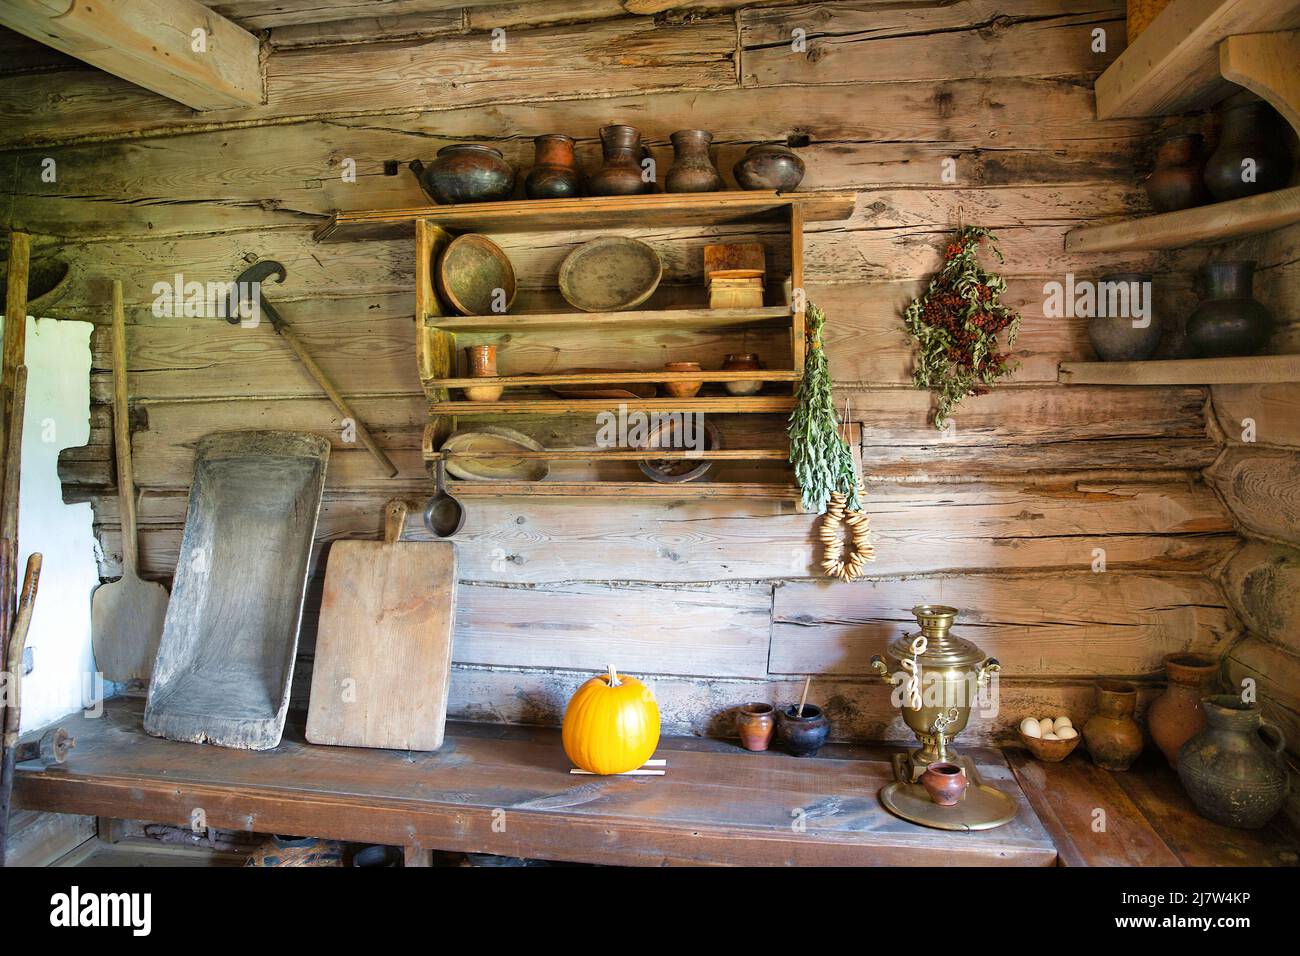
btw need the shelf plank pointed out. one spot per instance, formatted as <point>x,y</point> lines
<point>1249,370</point>
<point>621,489</point>
<point>725,405</point>
<point>1173,66</point>
<point>625,454</point>
<point>1190,227</point>
<point>616,378</point>
<point>598,212</point>
<point>775,316</point>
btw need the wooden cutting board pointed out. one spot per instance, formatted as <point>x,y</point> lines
<point>383,647</point>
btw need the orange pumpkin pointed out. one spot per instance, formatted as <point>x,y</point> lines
<point>611,724</point>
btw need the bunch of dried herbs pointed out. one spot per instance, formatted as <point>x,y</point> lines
<point>956,323</point>
<point>822,459</point>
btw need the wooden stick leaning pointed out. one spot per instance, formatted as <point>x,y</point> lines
<point>17,640</point>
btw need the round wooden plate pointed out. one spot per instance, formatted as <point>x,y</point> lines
<point>610,274</point>
<point>469,272</point>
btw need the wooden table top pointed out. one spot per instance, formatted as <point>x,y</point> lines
<point>507,790</point>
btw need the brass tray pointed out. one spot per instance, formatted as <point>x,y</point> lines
<point>981,808</point>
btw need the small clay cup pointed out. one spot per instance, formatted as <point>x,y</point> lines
<point>756,723</point>
<point>682,389</point>
<point>945,783</point>
<point>802,736</point>
<point>482,362</point>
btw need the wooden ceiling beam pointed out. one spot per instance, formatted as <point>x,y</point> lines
<point>177,48</point>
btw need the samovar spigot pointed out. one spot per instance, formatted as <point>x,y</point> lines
<point>878,664</point>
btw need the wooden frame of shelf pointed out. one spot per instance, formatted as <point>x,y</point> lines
<point>1248,369</point>
<point>436,332</point>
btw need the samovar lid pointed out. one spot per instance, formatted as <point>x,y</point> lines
<point>943,648</point>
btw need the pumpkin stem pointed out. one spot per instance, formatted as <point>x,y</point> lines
<point>613,677</point>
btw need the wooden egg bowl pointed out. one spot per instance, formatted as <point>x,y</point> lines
<point>1050,751</point>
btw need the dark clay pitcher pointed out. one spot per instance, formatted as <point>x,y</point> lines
<point>1232,776</point>
<point>621,173</point>
<point>1228,321</point>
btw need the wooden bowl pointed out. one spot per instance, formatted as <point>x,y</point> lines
<point>494,439</point>
<point>674,470</point>
<point>610,274</point>
<point>1050,751</point>
<point>469,272</point>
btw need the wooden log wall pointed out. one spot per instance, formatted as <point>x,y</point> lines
<point>717,601</point>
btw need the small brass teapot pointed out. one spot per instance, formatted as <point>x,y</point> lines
<point>939,676</point>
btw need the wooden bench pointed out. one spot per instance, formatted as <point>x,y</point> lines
<point>508,791</point>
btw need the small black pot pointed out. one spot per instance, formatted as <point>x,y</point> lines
<point>1115,338</point>
<point>802,736</point>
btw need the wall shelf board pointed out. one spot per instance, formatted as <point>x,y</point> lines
<point>1250,370</point>
<point>596,212</point>
<point>621,489</point>
<point>757,404</point>
<point>626,454</point>
<point>1173,66</point>
<point>667,319</point>
<point>1189,227</point>
<point>616,377</point>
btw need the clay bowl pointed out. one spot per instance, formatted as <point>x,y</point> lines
<point>1050,751</point>
<point>469,272</point>
<point>610,274</point>
<point>674,470</point>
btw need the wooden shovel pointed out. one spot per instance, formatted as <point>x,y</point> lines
<point>126,616</point>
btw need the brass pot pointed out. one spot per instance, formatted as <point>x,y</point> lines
<point>953,672</point>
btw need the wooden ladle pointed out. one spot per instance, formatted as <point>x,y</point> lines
<point>444,515</point>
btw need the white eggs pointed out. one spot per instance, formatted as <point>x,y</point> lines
<point>1049,728</point>
<point>1067,733</point>
<point>1029,727</point>
<point>1050,737</point>
<point>1046,725</point>
<point>1060,722</point>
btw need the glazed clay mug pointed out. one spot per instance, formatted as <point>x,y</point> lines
<point>945,783</point>
<point>756,724</point>
<point>482,362</point>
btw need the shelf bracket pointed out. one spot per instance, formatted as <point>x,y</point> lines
<point>1265,64</point>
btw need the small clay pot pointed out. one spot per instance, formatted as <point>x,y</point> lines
<point>1176,715</point>
<point>692,170</point>
<point>481,362</point>
<point>621,173</point>
<point>466,173</point>
<point>756,724</point>
<point>1112,736</point>
<point>742,362</point>
<point>1116,338</point>
<point>555,172</point>
<point>1176,181</point>
<point>769,166</point>
<point>682,389</point>
<point>945,783</point>
<point>802,736</point>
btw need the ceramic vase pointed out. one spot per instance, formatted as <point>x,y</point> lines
<point>1177,183</point>
<point>1252,155</point>
<point>1232,776</point>
<point>802,736</point>
<point>555,170</point>
<point>620,175</point>
<point>692,170</point>
<point>1228,321</point>
<point>1176,715</point>
<point>756,724</point>
<point>1112,736</point>
<point>466,173</point>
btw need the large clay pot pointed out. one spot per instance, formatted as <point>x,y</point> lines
<point>466,173</point>
<point>1176,182</point>
<point>621,173</point>
<point>1117,338</point>
<point>1228,321</point>
<point>692,170</point>
<point>1112,736</point>
<point>769,166</point>
<point>555,172</point>
<point>1176,715</point>
<point>1251,131</point>
<point>1228,771</point>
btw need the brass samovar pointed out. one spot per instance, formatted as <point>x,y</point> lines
<point>938,676</point>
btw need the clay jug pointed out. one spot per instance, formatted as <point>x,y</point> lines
<point>1228,321</point>
<point>1232,776</point>
<point>1252,156</point>
<point>1176,715</point>
<point>621,173</point>
<point>1176,181</point>
<point>1112,736</point>
<point>692,170</point>
<point>466,173</point>
<point>555,171</point>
